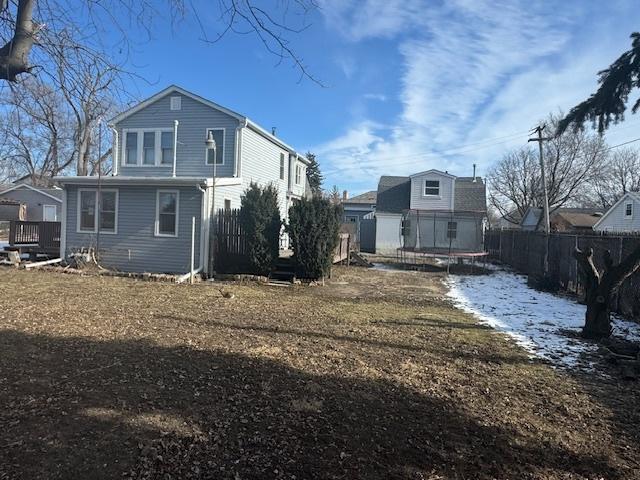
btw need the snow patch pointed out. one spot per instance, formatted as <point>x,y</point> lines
<point>535,320</point>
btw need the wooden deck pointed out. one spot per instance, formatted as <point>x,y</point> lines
<point>34,238</point>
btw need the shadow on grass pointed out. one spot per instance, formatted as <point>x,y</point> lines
<point>76,408</point>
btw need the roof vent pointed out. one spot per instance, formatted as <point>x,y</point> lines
<point>176,103</point>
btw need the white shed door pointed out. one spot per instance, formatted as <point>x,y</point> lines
<point>49,213</point>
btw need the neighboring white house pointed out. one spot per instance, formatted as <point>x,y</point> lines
<point>623,217</point>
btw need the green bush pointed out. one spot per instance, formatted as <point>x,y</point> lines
<point>313,231</point>
<point>260,221</point>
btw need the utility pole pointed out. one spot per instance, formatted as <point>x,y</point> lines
<point>545,207</point>
<point>540,139</point>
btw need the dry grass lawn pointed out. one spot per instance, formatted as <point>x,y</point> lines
<point>374,376</point>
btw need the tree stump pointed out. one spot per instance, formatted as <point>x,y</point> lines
<point>600,287</point>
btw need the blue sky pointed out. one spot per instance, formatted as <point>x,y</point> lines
<point>409,84</point>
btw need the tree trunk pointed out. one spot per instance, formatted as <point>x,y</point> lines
<point>14,55</point>
<point>599,288</point>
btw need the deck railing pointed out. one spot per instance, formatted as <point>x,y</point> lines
<point>44,234</point>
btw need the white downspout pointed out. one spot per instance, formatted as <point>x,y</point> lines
<point>114,151</point>
<point>175,145</point>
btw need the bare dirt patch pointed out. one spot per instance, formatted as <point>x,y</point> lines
<point>371,377</point>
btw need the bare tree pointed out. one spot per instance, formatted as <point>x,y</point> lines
<point>571,161</point>
<point>514,183</point>
<point>620,174</point>
<point>51,127</point>
<point>31,30</point>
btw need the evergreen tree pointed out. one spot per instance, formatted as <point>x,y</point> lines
<point>313,230</point>
<point>260,220</point>
<point>314,175</point>
<point>609,102</point>
<point>334,196</point>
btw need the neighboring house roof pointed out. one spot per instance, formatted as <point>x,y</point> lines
<point>53,193</point>
<point>576,217</point>
<point>241,118</point>
<point>394,194</point>
<point>629,195</point>
<point>364,198</point>
<point>433,170</point>
<point>470,195</point>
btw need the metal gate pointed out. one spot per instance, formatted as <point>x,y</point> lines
<point>368,235</point>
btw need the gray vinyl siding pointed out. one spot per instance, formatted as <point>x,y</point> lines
<point>135,248</point>
<point>261,164</point>
<point>34,202</point>
<point>421,202</point>
<point>195,118</point>
<point>616,221</point>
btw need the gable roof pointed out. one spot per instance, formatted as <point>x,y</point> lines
<point>364,198</point>
<point>632,195</point>
<point>394,194</point>
<point>241,118</point>
<point>54,194</point>
<point>433,170</point>
<point>470,195</point>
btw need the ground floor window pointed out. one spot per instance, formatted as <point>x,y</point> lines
<point>91,208</point>
<point>452,229</point>
<point>167,213</point>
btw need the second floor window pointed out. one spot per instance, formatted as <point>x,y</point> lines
<point>432,188</point>
<point>149,148</point>
<point>131,149</point>
<point>218,136</point>
<point>628,210</point>
<point>298,175</point>
<point>282,166</point>
<point>166,148</point>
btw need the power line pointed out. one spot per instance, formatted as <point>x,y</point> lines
<point>456,150</point>
<point>435,152</point>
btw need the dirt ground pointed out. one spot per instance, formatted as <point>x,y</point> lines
<point>373,376</point>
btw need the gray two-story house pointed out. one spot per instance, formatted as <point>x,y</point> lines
<point>165,152</point>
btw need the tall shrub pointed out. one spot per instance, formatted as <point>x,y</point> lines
<point>260,220</point>
<point>313,231</point>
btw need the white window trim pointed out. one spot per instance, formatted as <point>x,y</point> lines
<point>298,179</point>
<point>44,209</point>
<point>282,172</point>
<point>424,188</point>
<point>175,101</point>
<point>626,204</point>
<point>224,147</point>
<point>157,222</point>
<point>140,152</point>
<point>97,216</point>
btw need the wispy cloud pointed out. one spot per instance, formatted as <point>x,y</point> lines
<point>472,70</point>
